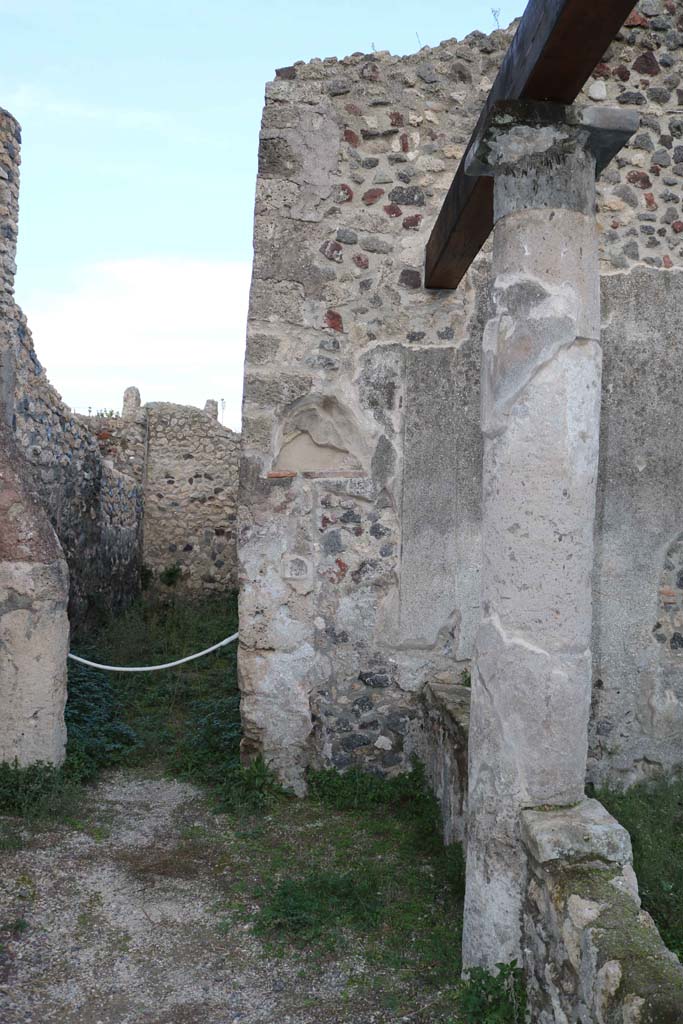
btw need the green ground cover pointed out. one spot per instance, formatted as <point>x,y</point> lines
<point>653,814</point>
<point>356,869</point>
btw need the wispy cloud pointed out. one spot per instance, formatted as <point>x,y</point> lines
<point>27,99</point>
<point>175,328</point>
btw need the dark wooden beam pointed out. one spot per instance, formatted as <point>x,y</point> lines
<point>554,51</point>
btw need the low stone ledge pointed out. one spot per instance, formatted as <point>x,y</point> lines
<point>442,746</point>
<point>570,834</point>
<point>590,951</point>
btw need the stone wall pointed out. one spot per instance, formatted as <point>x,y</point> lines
<point>94,508</point>
<point>591,953</point>
<point>185,463</point>
<point>34,628</point>
<point>442,747</point>
<point>361,468</point>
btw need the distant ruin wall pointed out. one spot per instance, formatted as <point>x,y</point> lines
<point>361,467</point>
<point>186,464</point>
<point>166,473</point>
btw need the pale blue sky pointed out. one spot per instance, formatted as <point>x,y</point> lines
<point>140,128</point>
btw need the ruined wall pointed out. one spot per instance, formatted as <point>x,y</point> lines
<point>355,594</point>
<point>190,497</point>
<point>34,628</point>
<point>94,509</point>
<point>34,581</point>
<point>590,952</point>
<point>361,473</point>
<point>186,465</point>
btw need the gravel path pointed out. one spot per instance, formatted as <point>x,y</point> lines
<point>117,923</point>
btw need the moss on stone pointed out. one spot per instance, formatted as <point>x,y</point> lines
<point>648,967</point>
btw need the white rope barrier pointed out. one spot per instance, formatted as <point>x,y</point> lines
<point>154,668</point>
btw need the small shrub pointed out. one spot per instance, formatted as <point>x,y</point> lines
<point>358,790</point>
<point>171,574</point>
<point>466,678</point>
<point>304,908</point>
<point>487,998</point>
<point>207,751</point>
<point>26,790</point>
<point>248,788</point>
<point>97,737</point>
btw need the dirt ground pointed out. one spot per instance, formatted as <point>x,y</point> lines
<point>125,918</point>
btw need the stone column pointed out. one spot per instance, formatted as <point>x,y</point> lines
<point>541,373</point>
<point>131,403</point>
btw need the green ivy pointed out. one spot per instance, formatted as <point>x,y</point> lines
<point>487,998</point>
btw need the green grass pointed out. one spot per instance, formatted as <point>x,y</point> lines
<point>183,721</point>
<point>653,814</point>
<point>97,738</point>
<point>358,869</point>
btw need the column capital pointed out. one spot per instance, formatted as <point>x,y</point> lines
<point>551,151</point>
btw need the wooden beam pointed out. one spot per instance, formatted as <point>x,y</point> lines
<point>554,51</point>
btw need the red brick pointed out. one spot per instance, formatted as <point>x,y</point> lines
<point>636,20</point>
<point>361,260</point>
<point>602,71</point>
<point>639,178</point>
<point>283,474</point>
<point>344,194</point>
<point>622,73</point>
<point>351,137</point>
<point>650,201</point>
<point>392,210</point>
<point>333,251</point>
<point>396,119</point>
<point>372,195</point>
<point>405,142</point>
<point>413,222</point>
<point>646,64</point>
<point>333,320</point>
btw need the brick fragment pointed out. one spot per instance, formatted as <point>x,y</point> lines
<point>361,260</point>
<point>333,320</point>
<point>333,251</point>
<point>372,195</point>
<point>351,137</point>
<point>646,64</point>
<point>639,178</point>
<point>392,210</point>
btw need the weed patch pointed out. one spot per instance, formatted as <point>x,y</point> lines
<point>493,998</point>
<point>305,908</point>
